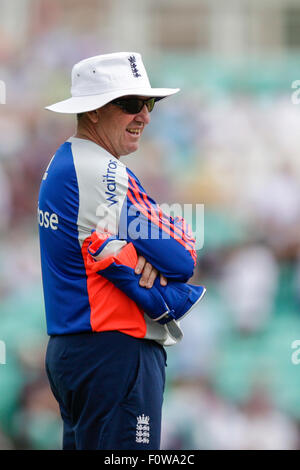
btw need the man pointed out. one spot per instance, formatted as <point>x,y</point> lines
<point>113,293</point>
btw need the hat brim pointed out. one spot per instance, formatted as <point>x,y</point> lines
<point>82,104</point>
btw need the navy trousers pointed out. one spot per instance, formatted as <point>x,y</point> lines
<point>109,387</point>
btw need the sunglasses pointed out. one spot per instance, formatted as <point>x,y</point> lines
<point>134,105</point>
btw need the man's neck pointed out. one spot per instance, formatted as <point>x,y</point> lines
<point>93,137</point>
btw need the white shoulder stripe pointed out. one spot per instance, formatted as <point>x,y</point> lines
<point>102,184</point>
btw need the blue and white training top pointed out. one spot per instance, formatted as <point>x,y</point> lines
<point>86,188</point>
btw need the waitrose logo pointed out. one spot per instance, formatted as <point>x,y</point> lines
<point>2,92</point>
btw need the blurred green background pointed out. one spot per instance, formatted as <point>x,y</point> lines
<point>230,140</point>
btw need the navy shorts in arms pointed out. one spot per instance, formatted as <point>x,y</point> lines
<point>109,387</point>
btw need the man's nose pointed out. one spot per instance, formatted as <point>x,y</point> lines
<point>143,115</point>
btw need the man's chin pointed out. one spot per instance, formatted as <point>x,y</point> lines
<point>130,149</point>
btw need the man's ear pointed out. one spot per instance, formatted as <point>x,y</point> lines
<point>93,116</point>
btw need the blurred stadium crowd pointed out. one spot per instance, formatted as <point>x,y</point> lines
<point>231,382</point>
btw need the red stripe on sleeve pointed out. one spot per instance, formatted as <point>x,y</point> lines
<point>158,221</point>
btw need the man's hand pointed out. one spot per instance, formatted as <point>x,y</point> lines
<point>149,274</point>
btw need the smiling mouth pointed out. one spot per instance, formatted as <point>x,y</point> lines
<point>136,132</point>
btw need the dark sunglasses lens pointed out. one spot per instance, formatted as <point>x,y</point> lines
<point>132,106</point>
<point>135,105</point>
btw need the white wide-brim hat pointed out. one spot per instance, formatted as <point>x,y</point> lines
<point>98,80</point>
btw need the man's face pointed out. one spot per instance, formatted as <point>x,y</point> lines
<point>120,132</point>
